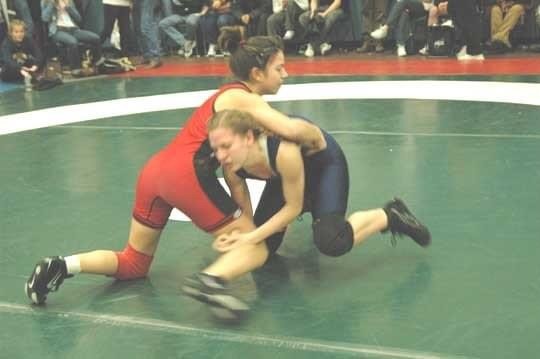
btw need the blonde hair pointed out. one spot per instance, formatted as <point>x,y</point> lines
<point>17,22</point>
<point>239,122</point>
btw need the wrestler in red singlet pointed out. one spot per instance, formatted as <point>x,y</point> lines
<point>182,175</point>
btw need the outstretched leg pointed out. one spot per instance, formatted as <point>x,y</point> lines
<point>133,262</point>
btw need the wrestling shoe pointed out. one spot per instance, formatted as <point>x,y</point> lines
<point>211,290</point>
<point>402,222</point>
<point>47,276</point>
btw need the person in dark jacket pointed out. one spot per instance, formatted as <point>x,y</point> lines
<point>20,57</point>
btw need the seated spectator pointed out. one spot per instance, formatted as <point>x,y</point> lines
<point>20,57</point>
<point>400,14</point>
<point>118,10</point>
<point>373,15</point>
<point>323,14</point>
<point>63,19</point>
<point>253,15</point>
<point>505,15</point>
<point>188,13</point>
<point>284,20</point>
<point>435,11</point>
<point>218,16</point>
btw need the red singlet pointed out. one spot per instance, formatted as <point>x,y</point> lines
<point>182,175</point>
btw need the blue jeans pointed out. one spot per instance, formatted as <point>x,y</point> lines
<point>329,20</point>
<point>401,13</point>
<point>169,26</point>
<point>146,27</point>
<point>212,22</point>
<point>71,37</point>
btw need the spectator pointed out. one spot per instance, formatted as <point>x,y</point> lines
<point>436,10</point>
<point>20,57</point>
<point>147,31</point>
<point>466,17</point>
<point>373,16</point>
<point>284,20</point>
<point>218,16</point>
<point>3,22</point>
<point>324,14</point>
<point>23,12</point>
<point>63,19</point>
<point>254,14</point>
<point>118,10</point>
<point>505,15</point>
<point>188,13</point>
<point>399,17</point>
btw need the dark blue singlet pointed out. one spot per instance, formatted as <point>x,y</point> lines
<point>326,185</point>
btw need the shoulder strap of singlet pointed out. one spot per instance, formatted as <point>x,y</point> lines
<point>225,87</point>
<point>272,144</point>
<point>233,85</point>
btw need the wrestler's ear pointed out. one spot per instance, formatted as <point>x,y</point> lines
<point>250,137</point>
<point>257,74</point>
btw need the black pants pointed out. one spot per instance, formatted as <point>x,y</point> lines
<point>122,14</point>
<point>467,18</point>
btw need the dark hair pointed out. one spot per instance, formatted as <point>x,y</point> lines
<point>247,54</point>
<point>239,122</point>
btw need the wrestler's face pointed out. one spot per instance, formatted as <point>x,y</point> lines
<point>231,149</point>
<point>271,78</point>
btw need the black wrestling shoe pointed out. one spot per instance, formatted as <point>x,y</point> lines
<point>212,291</point>
<point>47,276</point>
<point>402,221</point>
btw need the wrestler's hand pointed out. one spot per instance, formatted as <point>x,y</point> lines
<point>227,242</point>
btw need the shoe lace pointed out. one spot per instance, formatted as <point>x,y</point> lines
<point>393,240</point>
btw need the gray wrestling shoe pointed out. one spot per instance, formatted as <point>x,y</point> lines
<point>211,290</point>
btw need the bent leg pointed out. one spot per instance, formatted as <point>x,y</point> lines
<point>367,223</point>
<point>240,260</point>
<point>140,249</point>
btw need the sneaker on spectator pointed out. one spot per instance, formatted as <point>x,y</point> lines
<point>289,34</point>
<point>180,51</point>
<point>423,51</point>
<point>309,51</point>
<point>154,64</point>
<point>462,51</point>
<point>189,46</point>
<point>380,33</point>
<point>325,47</point>
<point>448,23</point>
<point>467,57</point>
<point>211,50</point>
<point>401,51</point>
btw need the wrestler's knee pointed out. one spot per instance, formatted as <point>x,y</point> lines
<point>333,235</point>
<point>132,264</point>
